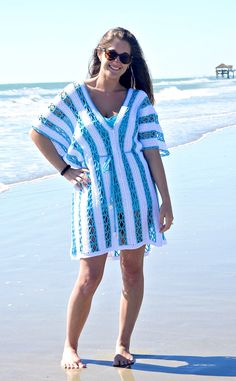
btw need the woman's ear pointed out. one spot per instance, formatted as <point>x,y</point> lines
<point>99,54</point>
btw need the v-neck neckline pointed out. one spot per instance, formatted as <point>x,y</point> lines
<point>98,114</point>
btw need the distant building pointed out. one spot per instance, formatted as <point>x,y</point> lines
<point>225,70</point>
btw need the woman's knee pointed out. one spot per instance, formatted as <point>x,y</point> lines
<point>88,283</point>
<point>90,275</point>
<point>132,260</point>
<point>131,277</point>
<point>132,268</point>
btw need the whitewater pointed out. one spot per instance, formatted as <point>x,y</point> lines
<point>188,109</point>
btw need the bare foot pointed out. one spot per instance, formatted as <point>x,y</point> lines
<point>70,359</point>
<point>123,357</point>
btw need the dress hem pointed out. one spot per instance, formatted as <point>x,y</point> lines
<point>113,253</point>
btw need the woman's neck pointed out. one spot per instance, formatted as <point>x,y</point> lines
<point>105,85</point>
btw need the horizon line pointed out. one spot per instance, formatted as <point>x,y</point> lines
<point>69,81</point>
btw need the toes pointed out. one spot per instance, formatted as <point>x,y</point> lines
<point>121,361</point>
<point>72,362</point>
<point>131,360</point>
<point>124,364</point>
<point>81,365</point>
<point>116,361</point>
<point>74,365</point>
<point>77,365</point>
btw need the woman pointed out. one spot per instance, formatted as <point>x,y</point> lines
<point>103,136</point>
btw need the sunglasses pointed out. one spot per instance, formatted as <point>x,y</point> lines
<point>111,55</point>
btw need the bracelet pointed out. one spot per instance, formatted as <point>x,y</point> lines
<point>65,169</point>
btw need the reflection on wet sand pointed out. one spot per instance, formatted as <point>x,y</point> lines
<point>77,374</point>
<point>73,375</point>
<point>126,374</point>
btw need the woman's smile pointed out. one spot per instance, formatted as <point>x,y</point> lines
<point>115,68</point>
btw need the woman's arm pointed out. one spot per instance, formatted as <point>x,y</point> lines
<point>48,150</point>
<point>155,164</point>
<point>46,147</point>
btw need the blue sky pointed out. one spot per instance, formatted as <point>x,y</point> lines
<point>50,41</point>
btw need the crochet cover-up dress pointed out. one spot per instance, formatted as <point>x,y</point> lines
<point>119,209</point>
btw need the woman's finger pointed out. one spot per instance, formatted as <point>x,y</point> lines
<point>83,170</point>
<point>163,228</point>
<point>78,185</point>
<point>83,181</point>
<point>84,176</point>
<point>166,224</point>
<point>162,218</point>
<point>78,177</point>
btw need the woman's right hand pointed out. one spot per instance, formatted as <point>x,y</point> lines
<point>78,177</point>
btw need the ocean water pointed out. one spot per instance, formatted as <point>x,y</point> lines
<point>188,109</point>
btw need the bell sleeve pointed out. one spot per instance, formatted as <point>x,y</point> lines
<point>57,123</point>
<point>150,133</point>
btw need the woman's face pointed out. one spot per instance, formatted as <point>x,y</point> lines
<point>115,68</point>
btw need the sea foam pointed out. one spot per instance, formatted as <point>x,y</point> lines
<point>188,109</point>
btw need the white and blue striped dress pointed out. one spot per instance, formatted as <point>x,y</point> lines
<point>119,209</point>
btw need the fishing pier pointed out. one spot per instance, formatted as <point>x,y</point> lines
<point>225,71</point>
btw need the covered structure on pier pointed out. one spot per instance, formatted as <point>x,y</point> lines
<point>225,70</point>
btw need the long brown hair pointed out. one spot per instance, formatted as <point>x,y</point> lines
<point>137,75</point>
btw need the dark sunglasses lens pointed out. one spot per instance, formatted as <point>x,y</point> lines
<point>125,58</point>
<point>111,55</point>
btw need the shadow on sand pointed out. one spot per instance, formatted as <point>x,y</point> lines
<point>193,365</point>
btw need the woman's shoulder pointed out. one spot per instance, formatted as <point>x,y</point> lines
<point>142,96</point>
<point>71,87</point>
<point>65,94</point>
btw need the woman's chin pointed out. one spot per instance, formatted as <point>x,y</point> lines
<point>113,74</point>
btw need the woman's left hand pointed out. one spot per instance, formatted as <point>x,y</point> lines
<point>166,217</point>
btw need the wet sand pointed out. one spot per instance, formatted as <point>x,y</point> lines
<point>187,325</point>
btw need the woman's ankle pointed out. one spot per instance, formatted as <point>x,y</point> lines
<point>123,343</point>
<point>70,345</point>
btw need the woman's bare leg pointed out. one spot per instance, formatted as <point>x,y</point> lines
<point>90,275</point>
<point>131,299</point>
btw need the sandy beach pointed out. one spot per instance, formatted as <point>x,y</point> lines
<point>187,326</point>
